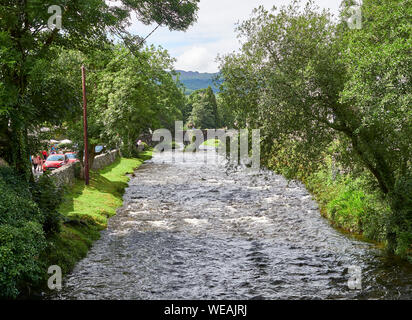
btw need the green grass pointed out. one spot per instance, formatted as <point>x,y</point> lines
<point>350,205</point>
<point>86,210</point>
<point>211,143</point>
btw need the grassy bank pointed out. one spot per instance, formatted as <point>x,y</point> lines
<point>349,199</point>
<point>356,208</point>
<point>86,210</point>
<point>350,204</point>
<point>211,143</point>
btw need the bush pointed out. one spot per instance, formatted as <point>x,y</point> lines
<point>21,236</point>
<point>348,200</point>
<point>348,209</point>
<point>20,248</point>
<point>48,197</point>
<point>400,222</point>
<point>16,202</point>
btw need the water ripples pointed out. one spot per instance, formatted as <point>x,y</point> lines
<point>195,230</point>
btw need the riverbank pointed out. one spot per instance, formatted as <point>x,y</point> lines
<point>349,198</point>
<point>86,210</point>
<point>350,202</point>
<point>350,205</point>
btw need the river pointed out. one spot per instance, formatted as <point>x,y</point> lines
<point>194,228</point>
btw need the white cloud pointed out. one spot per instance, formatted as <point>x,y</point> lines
<point>213,33</point>
<point>196,58</point>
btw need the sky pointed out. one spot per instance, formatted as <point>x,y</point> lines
<point>214,32</point>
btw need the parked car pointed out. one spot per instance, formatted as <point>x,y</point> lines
<point>72,156</point>
<point>98,149</point>
<point>55,161</point>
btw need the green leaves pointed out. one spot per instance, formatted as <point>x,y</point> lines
<point>308,82</point>
<point>128,94</point>
<point>379,67</point>
<point>21,236</point>
<point>279,82</point>
<point>34,88</point>
<point>20,248</point>
<point>176,14</point>
<point>203,109</point>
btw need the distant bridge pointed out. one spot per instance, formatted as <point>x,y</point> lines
<point>184,136</point>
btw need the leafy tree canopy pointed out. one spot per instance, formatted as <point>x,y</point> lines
<point>203,105</point>
<point>27,47</point>
<point>308,81</point>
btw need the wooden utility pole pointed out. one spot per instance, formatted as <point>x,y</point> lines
<point>86,139</point>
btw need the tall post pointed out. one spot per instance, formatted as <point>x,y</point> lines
<point>86,140</point>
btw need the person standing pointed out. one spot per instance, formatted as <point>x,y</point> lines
<point>34,163</point>
<point>38,162</point>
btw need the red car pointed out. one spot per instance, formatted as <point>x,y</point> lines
<point>72,156</point>
<point>55,161</point>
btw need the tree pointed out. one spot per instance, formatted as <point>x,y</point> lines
<point>211,99</point>
<point>27,43</point>
<point>307,81</point>
<point>225,114</point>
<point>136,93</point>
<point>379,91</point>
<point>204,112</point>
<point>128,94</point>
<point>187,108</point>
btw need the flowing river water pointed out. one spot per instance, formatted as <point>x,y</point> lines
<point>196,229</point>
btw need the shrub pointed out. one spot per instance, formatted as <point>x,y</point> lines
<point>349,200</point>
<point>400,222</point>
<point>21,236</point>
<point>16,202</point>
<point>348,209</point>
<point>20,248</point>
<point>48,197</point>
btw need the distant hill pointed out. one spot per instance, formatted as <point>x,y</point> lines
<point>194,80</point>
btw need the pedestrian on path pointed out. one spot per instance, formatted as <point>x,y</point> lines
<point>33,163</point>
<point>44,153</point>
<point>37,164</point>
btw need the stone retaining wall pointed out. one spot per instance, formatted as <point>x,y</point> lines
<point>104,160</point>
<point>66,176</point>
